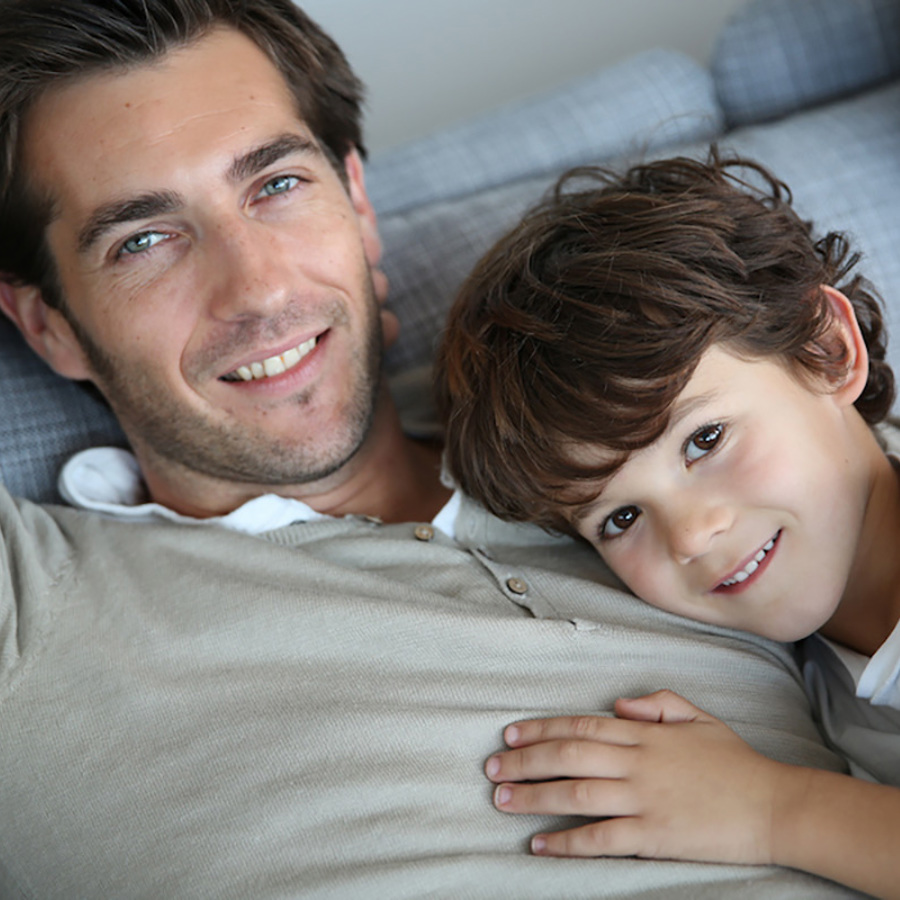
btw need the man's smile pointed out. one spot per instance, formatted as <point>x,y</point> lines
<point>273,365</point>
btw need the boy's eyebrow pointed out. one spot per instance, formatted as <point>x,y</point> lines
<point>155,203</point>
<point>681,409</point>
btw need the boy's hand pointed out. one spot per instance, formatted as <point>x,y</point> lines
<point>668,781</point>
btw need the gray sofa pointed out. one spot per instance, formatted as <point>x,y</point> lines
<point>809,87</point>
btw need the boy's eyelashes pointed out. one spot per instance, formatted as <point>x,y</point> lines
<point>618,522</point>
<point>701,443</point>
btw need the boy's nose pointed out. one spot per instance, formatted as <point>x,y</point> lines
<point>694,528</point>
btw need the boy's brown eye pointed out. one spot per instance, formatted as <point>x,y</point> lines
<point>702,441</point>
<point>621,520</point>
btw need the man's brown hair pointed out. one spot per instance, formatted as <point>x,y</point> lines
<point>47,43</point>
<point>585,322</point>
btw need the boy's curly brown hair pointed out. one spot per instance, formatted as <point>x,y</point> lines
<point>584,323</point>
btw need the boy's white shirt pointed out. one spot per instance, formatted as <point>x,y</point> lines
<point>877,678</point>
<point>108,480</point>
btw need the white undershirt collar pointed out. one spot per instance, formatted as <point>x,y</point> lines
<point>108,480</point>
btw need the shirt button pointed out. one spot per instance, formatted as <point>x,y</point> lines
<point>517,585</point>
<point>424,532</point>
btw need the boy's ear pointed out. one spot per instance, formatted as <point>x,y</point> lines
<point>845,329</point>
<point>45,329</point>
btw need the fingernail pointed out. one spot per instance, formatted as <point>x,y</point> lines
<point>502,795</point>
<point>512,734</point>
<point>492,768</point>
<point>538,844</point>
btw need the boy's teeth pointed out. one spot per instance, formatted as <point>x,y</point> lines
<point>751,566</point>
<point>274,365</point>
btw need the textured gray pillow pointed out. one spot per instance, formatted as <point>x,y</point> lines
<point>778,56</point>
<point>651,100</point>
<point>44,419</point>
<point>842,162</point>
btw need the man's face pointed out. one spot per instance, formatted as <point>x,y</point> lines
<point>218,269</point>
<point>747,511</point>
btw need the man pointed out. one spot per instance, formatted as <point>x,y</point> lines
<point>270,659</point>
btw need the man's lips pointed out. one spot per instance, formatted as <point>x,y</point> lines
<point>274,365</point>
<point>751,569</point>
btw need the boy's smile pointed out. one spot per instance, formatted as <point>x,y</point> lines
<point>752,570</point>
<point>749,510</point>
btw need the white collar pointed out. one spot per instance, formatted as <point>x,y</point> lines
<point>108,480</point>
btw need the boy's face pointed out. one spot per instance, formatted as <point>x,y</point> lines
<point>746,513</point>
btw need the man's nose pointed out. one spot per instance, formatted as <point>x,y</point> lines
<point>694,525</point>
<point>250,272</point>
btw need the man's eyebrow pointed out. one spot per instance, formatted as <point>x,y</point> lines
<point>155,203</point>
<point>249,164</point>
<point>108,216</point>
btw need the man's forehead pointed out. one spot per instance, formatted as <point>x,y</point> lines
<point>94,116</point>
<point>105,137</point>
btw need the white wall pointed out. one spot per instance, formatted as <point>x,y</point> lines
<point>428,63</point>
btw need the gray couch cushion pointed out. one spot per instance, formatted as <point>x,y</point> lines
<point>431,249</point>
<point>44,419</point>
<point>778,56</point>
<point>842,162</point>
<point>648,101</point>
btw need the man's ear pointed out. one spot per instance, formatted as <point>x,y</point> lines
<point>353,165</point>
<point>45,329</point>
<point>356,187</point>
<point>845,329</point>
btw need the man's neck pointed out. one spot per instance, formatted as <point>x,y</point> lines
<point>392,477</point>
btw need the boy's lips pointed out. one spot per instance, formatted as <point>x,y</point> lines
<point>270,366</point>
<point>751,569</point>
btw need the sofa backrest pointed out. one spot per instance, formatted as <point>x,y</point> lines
<point>777,56</point>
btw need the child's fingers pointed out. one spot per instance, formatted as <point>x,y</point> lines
<point>611,837</point>
<point>585,728</point>
<point>570,797</point>
<point>558,759</point>
<point>661,706</point>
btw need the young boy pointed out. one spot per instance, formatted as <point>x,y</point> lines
<point>668,365</point>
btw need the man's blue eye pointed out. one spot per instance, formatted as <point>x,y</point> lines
<point>703,441</point>
<point>619,522</point>
<point>142,242</point>
<point>280,185</point>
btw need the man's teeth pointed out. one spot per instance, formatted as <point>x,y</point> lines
<point>751,566</point>
<point>274,365</point>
